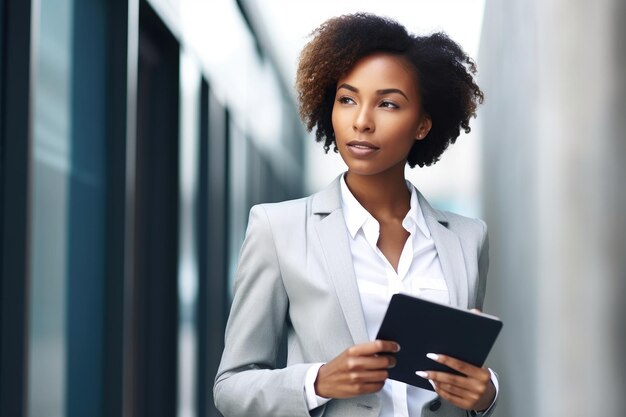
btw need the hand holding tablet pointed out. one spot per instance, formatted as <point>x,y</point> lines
<point>421,327</point>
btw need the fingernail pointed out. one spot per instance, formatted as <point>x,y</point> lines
<point>432,356</point>
<point>422,374</point>
<point>432,383</point>
<point>397,347</point>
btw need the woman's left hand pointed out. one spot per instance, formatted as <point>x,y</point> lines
<point>474,391</point>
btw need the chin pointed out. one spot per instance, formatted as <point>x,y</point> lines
<point>364,171</point>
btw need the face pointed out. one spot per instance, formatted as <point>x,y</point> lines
<point>377,115</point>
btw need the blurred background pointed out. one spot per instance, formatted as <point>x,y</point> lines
<point>136,135</point>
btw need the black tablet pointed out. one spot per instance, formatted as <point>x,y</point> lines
<point>422,326</point>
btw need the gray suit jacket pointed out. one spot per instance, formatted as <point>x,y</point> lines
<point>295,275</point>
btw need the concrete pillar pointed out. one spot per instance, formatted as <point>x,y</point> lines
<point>554,161</point>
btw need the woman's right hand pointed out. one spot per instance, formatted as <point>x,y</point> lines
<point>360,369</point>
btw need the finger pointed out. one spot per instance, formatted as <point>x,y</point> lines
<point>459,391</point>
<point>371,348</point>
<point>367,377</point>
<point>465,368</point>
<point>370,362</point>
<point>474,388</point>
<point>448,378</point>
<point>385,361</point>
<point>476,310</point>
<point>457,400</point>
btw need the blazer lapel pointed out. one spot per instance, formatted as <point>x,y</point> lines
<point>450,254</point>
<point>333,235</point>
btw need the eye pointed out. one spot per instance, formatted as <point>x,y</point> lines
<point>345,100</point>
<point>389,105</point>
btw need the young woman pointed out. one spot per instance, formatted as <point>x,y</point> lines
<point>322,269</point>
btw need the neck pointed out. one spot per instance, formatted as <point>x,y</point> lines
<point>384,195</point>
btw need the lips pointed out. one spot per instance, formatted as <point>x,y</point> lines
<point>361,148</point>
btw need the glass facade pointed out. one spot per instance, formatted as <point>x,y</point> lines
<point>142,163</point>
<point>52,169</point>
<point>188,269</point>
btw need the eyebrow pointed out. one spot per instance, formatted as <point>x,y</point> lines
<point>379,92</point>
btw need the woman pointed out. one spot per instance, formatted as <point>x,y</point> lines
<point>323,268</point>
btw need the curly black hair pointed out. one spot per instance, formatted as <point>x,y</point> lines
<point>444,72</point>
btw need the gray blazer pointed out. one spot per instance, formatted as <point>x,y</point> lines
<point>295,275</point>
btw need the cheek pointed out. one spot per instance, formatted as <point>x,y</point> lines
<point>341,119</point>
<point>407,128</point>
<point>400,134</point>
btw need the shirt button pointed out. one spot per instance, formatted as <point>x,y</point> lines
<point>435,404</point>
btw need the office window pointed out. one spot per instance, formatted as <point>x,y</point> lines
<point>155,286</point>
<point>212,305</point>
<point>238,203</point>
<point>52,153</point>
<point>188,268</point>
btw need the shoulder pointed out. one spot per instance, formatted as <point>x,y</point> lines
<point>284,210</point>
<point>467,228</point>
<point>458,222</point>
<point>279,219</point>
<point>322,202</point>
<point>472,232</point>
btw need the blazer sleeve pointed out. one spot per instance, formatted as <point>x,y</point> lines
<point>247,382</point>
<point>483,266</point>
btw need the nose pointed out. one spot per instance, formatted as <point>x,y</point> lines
<point>363,121</point>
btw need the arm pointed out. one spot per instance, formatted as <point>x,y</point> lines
<point>483,267</point>
<point>247,382</point>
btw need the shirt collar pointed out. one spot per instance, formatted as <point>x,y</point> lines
<point>357,217</point>
<point>354,213</point>
<point>415,213</point>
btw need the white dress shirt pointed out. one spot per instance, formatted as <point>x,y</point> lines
<point>419,273</point>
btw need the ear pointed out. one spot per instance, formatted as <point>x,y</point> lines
<point>423,128</point>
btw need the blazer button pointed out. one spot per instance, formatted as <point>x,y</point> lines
<point>435,404</point>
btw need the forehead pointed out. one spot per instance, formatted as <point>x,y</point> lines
<point>381,71</point>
